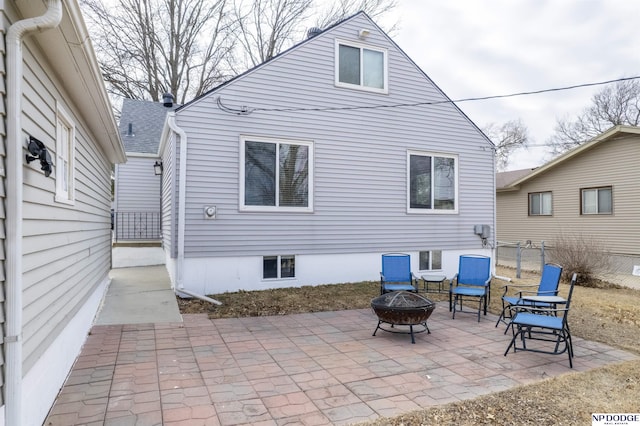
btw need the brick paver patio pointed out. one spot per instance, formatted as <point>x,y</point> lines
<point>309,369</point>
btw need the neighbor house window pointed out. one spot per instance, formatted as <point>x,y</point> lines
<point>65,154</point>
<point>540,204</point>
<point>360,66</point>
<point>433,182</point>
<point>430,260</point>
<point>276,175</point>
<point>597,200</point>
<point>274,267</point>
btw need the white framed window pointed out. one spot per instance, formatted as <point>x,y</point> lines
<point>275,267</point>
<point>597,200</point>
<point>540,203</point>
<point>65,157</point>
<point>432,182</point>
<point>359,66</point>
<point>430,260</point>
<point>276,175</point>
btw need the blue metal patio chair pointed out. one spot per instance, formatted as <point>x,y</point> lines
<point>396,273</point>
<point>513,294</point>
<point>543,324</point>
<point>473,280</point>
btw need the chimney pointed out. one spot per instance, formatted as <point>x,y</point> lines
<point>312,32</point>
<point>167,100</point>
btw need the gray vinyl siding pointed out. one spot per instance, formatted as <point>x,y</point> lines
<point>169,199</point>
<point>611,163</point>
<point>360,182</point>
<point>66,248</point>
<point>137,187</point>
<point>3,164</point>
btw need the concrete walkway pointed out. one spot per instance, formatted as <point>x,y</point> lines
<point>323,368</point>
<point>126,257</point>
<point>139,295</point>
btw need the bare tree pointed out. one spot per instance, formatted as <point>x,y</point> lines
<point>186,47</point>
<point>613,105</point>
<point>507,138</point>
<point>150,47</point>
<point>341,9</point>
<point>267,27</point>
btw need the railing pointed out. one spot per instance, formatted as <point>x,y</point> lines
<point>136,226</point>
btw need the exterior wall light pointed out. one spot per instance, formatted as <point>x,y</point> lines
<point>157,168</point>
<point>39,152</point>
<point>363,33</point>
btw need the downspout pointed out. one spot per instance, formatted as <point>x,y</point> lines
<point>182,197</point>
<point>13,340</point>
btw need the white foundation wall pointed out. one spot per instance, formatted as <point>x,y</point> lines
<point>43,381</point>
<point>208,276</point>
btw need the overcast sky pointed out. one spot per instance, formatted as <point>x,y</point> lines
<point>473,48</point>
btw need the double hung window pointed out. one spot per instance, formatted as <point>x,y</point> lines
<point>597,200</point>
<point>362,67</point>
<point>65,153</point>
<point>540,204</point>
<point>432,182</point>
<point>276,175</point>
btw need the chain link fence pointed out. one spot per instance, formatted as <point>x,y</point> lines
<point>531,256</point>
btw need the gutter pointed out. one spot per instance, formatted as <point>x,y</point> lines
<point>182,197</point>
<point>13,339</point>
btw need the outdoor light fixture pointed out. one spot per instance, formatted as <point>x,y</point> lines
<point>363,33</point>
<point>157,168</point>
<point>39,152</point>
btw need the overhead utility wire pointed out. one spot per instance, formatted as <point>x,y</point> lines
<point>245,110</point>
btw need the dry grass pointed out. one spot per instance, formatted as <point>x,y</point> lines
<point>605,313</point>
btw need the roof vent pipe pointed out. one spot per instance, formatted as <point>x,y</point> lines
<point>312,32</point>
<point>167,100</point>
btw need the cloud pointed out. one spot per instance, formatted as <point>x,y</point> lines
<point>492,47</point>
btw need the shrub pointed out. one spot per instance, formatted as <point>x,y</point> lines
<point>581,254</point>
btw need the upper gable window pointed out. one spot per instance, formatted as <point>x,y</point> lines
<point>65,157</point>
<point>362,67</point>
<point>276,175</point>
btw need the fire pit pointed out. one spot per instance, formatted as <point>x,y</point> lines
<point>402,308</point>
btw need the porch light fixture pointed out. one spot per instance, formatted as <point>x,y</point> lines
<point>38,151</point>
<point>157,168</point>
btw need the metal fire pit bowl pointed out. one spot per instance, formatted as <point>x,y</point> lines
<point>402,308</point>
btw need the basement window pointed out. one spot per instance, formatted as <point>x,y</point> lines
<point>274,267</point>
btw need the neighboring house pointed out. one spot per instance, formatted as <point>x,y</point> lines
<point>591,190</point>
<point>55,255</point>
<point>305,169</point>
<point>137,186</point>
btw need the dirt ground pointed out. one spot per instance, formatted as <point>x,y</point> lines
<point>605,313</point>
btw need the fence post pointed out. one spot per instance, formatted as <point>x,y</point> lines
<point>542,256</point>
<point>518,259</point>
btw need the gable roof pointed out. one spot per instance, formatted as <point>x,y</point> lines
<point>316,35</point>
<point>503,179</point>
<point>69,50</point>
<point>612,133</point>
<point>141,124</point>
<point>284,52</point>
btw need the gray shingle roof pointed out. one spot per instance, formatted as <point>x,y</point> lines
<point>503,179</point>
<point>141,125</point>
